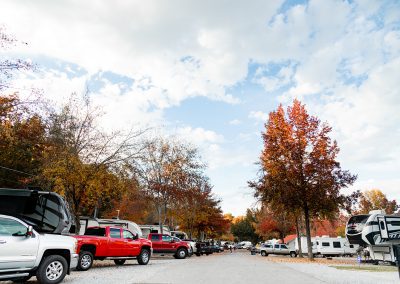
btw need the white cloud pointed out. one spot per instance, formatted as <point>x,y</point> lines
<point>259,116</point>
<point>235,122</point>
<point>199,136</point>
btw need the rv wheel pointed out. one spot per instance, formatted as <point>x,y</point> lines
<point>292,254</point>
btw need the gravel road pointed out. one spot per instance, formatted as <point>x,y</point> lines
<point>238,267</point>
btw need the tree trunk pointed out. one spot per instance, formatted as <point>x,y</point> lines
<point>308,232</point>
<point>298,232</point>
<point>160,222</point>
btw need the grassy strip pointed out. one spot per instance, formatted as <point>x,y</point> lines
<point>367,268</point>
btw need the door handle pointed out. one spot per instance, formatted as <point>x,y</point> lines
<point>2,241</point>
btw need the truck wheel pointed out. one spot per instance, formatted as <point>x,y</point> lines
<point>52,270</point>
<point>181,253</point>
<point>144,257</point>
<point>292,254</point>
<point>85,261</point>
<point>263,253</point>
<point>119,261</point>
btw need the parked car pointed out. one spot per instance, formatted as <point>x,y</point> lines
<point>280,249</point>
<point>184,237</point>
<point>166,244</point>
<point>113,243</point>
<point>203,248</point>
<point>24,252</point>
<point>46,212</point>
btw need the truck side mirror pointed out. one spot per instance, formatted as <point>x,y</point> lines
<point>29,231</point>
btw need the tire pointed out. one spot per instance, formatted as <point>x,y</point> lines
<point>181,253</point>
<point>144,257</point>
<point>119,261</point>
<point>264,253</point>
<point>52,270</point>
<point>85,261</point>
<point>293,254</point>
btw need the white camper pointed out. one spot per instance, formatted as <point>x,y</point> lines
<point>377,231</point>
<point>327,246</point>
<point>95,222</point>
<point>304,246</point>
<point>147,229</point>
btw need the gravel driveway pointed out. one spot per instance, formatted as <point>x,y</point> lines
<point>238,267</point>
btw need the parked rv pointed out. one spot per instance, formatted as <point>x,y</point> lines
<point>46,212</point>
<point>377,231</point>
<point>327,246</point>
<point>87,222</point>
<point>153,229</point>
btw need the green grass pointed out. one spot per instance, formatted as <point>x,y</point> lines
<point>366,268</point>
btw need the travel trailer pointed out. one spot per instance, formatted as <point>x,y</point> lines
<point>304,246</point>
<point>147,229</point>
<point>325,246</point>
<point>95,222</point>
<point>377,231</point>
<point>338,246</point>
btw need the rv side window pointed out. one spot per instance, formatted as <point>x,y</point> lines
<point>336,245</point>
<point>351,246</point>
<point>283,246</point>
<point>317,243</point>
<point>155,238</point>
<point>325,244</point>
<point>276,246</point>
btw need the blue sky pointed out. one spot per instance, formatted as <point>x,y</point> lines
<point>211,71</point>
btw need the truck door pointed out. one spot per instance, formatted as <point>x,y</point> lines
<point>117,243</point>
<point>156,242</point>
<point>277,249</point>
<point>383,227</point>
<point>284,250</point>
<point>132,245</point>
<point>16,249</point>
<point>169,245</point>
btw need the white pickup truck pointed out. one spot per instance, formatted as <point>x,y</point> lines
<point>280,249</point>
<point>24,253</point>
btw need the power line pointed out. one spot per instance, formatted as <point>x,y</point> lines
<point>17,171</point>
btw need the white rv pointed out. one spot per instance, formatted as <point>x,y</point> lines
<point>95,222</point>
<point>327,246</point>
<point>377,231</point>
<point>147,229</point>
<point>304,246</point>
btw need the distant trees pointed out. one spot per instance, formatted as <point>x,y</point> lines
<point>299,170</point>
<point>97,171</point>
<point>274,223</point>
<point>243,228</point>
<point>375,199</point>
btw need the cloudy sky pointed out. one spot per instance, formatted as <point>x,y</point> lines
<point>210,71</point>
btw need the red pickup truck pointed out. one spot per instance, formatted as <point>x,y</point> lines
<point>114,243</point>
<point>167,244</point>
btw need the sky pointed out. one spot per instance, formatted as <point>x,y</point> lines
<point>210,72</point>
